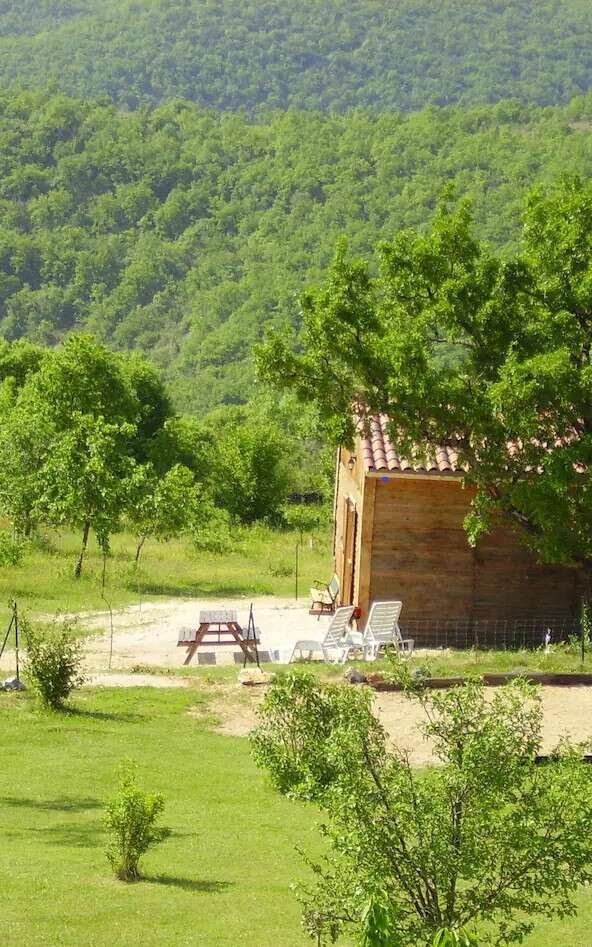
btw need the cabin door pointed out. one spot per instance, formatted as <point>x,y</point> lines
<point>349,553</point>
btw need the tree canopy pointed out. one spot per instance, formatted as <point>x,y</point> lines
<point>460,347</point>
<point>182,233</point>
<point>88,440</point>
<point>335,55</point>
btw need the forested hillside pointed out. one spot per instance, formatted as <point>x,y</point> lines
<point>183,232</point>
<point>305,54</point>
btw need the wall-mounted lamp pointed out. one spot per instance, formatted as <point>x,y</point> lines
<point>351,462</point>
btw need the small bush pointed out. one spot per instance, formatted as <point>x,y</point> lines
<point>131,818</point>
<point>11,550</point>
<point>215,537</point>
<point>280,569</point>
<point>54,658</point>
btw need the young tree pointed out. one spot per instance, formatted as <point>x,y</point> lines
<point>305,519</point>
<point>87,479</point>
<point>251,476</point>
<point>461,347</point>
<point>485,839</point>
<point>131,818</point>
<point>160,506</point>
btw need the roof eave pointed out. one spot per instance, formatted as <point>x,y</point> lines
<point>415,474</point>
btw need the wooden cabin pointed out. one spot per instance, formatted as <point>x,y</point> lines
<point>399,535</point>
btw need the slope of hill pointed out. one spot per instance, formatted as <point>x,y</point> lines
<point>184,232</point>
<point>338,54</point>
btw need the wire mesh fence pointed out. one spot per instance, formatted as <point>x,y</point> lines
<point>504,634</point>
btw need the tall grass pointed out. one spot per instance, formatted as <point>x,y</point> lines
<point>259,561</point>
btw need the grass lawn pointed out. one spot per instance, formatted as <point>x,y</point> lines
<point>262,562</point>
<point>224,876</point>
<point>561,659</point>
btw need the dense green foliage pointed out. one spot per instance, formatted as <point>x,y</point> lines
<point>88,441</point>
<point>515,402</point>
<point>337,54</point>
<point>473,842</point>
<point>183,233</point>
<point>195,891</point>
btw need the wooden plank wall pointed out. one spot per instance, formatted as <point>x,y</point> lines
<point>350,485</point>
<point>420,555</point>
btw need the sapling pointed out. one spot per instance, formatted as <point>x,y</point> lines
<point>131,817</point>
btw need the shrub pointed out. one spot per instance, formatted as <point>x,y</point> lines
<point>131,818</point>
<point>486,839</point>
<point>280,569</point>
<point>42,542</point>
<point>11,550</point>
<point>54,658</point>
<point>214,534</point>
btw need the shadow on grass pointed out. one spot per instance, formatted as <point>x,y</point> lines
<point>62,804</point>
<point>77,835</point>
<point>71,836</point>
<point>188,884</point>
<point>196,591</point>
<point>122,717</point>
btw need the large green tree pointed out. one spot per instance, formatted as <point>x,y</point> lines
<point>484,839</point>
<point>460,346</point>
<point>26,437</point>
<point>251,473</point>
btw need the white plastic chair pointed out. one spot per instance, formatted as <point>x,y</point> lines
<point>382,629</point>
<point>332,647</point>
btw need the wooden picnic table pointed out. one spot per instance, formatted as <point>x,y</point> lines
<point>223,625</point>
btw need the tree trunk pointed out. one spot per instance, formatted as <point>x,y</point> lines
<point>586,614</point>
<point>85,532</point>
<point>139,550</point>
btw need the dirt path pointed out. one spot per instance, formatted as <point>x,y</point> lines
<point>147,635</point>
<point>566,711</point>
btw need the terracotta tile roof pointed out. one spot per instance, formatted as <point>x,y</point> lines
<point>379,454</point>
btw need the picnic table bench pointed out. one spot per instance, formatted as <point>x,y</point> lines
<point>223,625</point>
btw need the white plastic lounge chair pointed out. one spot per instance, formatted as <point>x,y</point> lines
<point>324,596</point>
<point>332,646</point>
<point>382,629</point>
